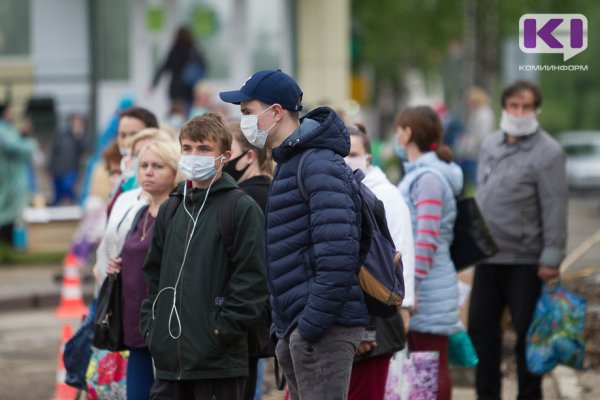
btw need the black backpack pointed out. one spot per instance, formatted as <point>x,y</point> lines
<point>381,273</point>
<point>259,341</point>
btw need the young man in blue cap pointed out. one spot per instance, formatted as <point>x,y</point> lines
<point>319,313</point>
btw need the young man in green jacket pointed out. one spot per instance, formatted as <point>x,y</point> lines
<point>202,297</point>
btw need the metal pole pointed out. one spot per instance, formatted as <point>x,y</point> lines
<point>93,66</point>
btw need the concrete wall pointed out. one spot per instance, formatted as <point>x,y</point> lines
<point>323,58</point>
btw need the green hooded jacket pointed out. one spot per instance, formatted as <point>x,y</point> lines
<point>200,305</point>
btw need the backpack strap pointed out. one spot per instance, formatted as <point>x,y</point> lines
<point>172,203</point>
<point>226,222</point>
<point>299,173</point>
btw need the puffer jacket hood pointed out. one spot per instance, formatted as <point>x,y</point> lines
<point>319,129</point>
<point>451,171</point>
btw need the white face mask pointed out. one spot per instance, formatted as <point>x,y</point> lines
<point>519,125</point>
<point>198,168</point>
<point>358,162</point>
<point>249,127</point>
<point>127,172</point>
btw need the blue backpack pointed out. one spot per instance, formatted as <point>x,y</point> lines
<point>380,275</point>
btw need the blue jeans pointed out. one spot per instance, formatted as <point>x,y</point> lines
<point>140,374</point>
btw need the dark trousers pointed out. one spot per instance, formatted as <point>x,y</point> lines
<point>418,341</point>
<point>198,389</point>
<point>6,234</point>
<point>494,288</point>
<point>251,381</point>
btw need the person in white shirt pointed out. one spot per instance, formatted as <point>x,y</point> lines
<point>372,360</point>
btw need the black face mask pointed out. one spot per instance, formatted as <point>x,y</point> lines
<point>230,167</point>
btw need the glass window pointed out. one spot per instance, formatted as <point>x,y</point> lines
<point>210,20</point>
<point>113,39</point>
<point>266,26</point>
<point>15,35</point>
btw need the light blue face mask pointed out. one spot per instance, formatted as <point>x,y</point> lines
<point>400,151</point>
<point>198,168</point>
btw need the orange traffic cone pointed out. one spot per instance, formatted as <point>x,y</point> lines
<point>63,391</point>
<point>71,295</point>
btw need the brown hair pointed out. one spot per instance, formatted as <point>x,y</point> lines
<point>426,129</point>
<point>144,115</point>
<point>265,162</point>
<point>359,130</point>
<point>111,154</point>
<point>520,86</point>
<point>207,126</point>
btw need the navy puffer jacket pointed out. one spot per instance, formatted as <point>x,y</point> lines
<point>313,246</point>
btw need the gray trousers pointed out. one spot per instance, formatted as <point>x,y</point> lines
<point>320,370</point>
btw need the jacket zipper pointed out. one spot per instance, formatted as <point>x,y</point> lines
<point>181,290</point>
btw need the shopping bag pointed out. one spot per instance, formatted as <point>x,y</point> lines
<point>555,335</point>
<point>78,351</point>
<point>107,375</point>
<point>461,351</point>
<point>413,376</point>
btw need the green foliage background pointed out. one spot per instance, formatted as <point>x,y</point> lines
<point>392,36</point>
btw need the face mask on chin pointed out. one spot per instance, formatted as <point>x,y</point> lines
<point>519,125</point>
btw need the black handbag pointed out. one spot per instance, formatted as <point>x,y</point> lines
<point>108,323</point>
<point>473,241</point>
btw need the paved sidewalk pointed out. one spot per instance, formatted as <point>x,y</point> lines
<point>35,286</point>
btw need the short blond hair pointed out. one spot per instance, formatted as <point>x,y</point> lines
<point>168,152</point>
<point>150,133</point>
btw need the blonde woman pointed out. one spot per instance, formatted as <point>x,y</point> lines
<point>157,173</point>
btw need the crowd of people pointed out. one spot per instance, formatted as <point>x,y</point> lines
<point>225,261</point>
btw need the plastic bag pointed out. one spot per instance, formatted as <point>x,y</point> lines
<point>461,351</point>
<point>107,375</point>
<point>413,375</point>
<point>555,335</point>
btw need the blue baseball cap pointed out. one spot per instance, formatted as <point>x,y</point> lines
<point>268,86</point>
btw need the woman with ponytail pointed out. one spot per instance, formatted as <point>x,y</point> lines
<point>430,185</point>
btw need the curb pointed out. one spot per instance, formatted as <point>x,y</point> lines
<point>38,300</point>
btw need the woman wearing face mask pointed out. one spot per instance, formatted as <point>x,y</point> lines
<point>252,168</point>
<point>157,176</point>
<point>429,187</point>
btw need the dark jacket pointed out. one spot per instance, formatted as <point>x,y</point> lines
<point>312,247</point>
<point>259,340</point>
<point>215,300</point>
<point>66,153</point>
<point>257,187</point>
<point>175,63</point>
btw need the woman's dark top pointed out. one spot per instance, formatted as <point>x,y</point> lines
<point>134,287</point>
<point>257,187</point>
